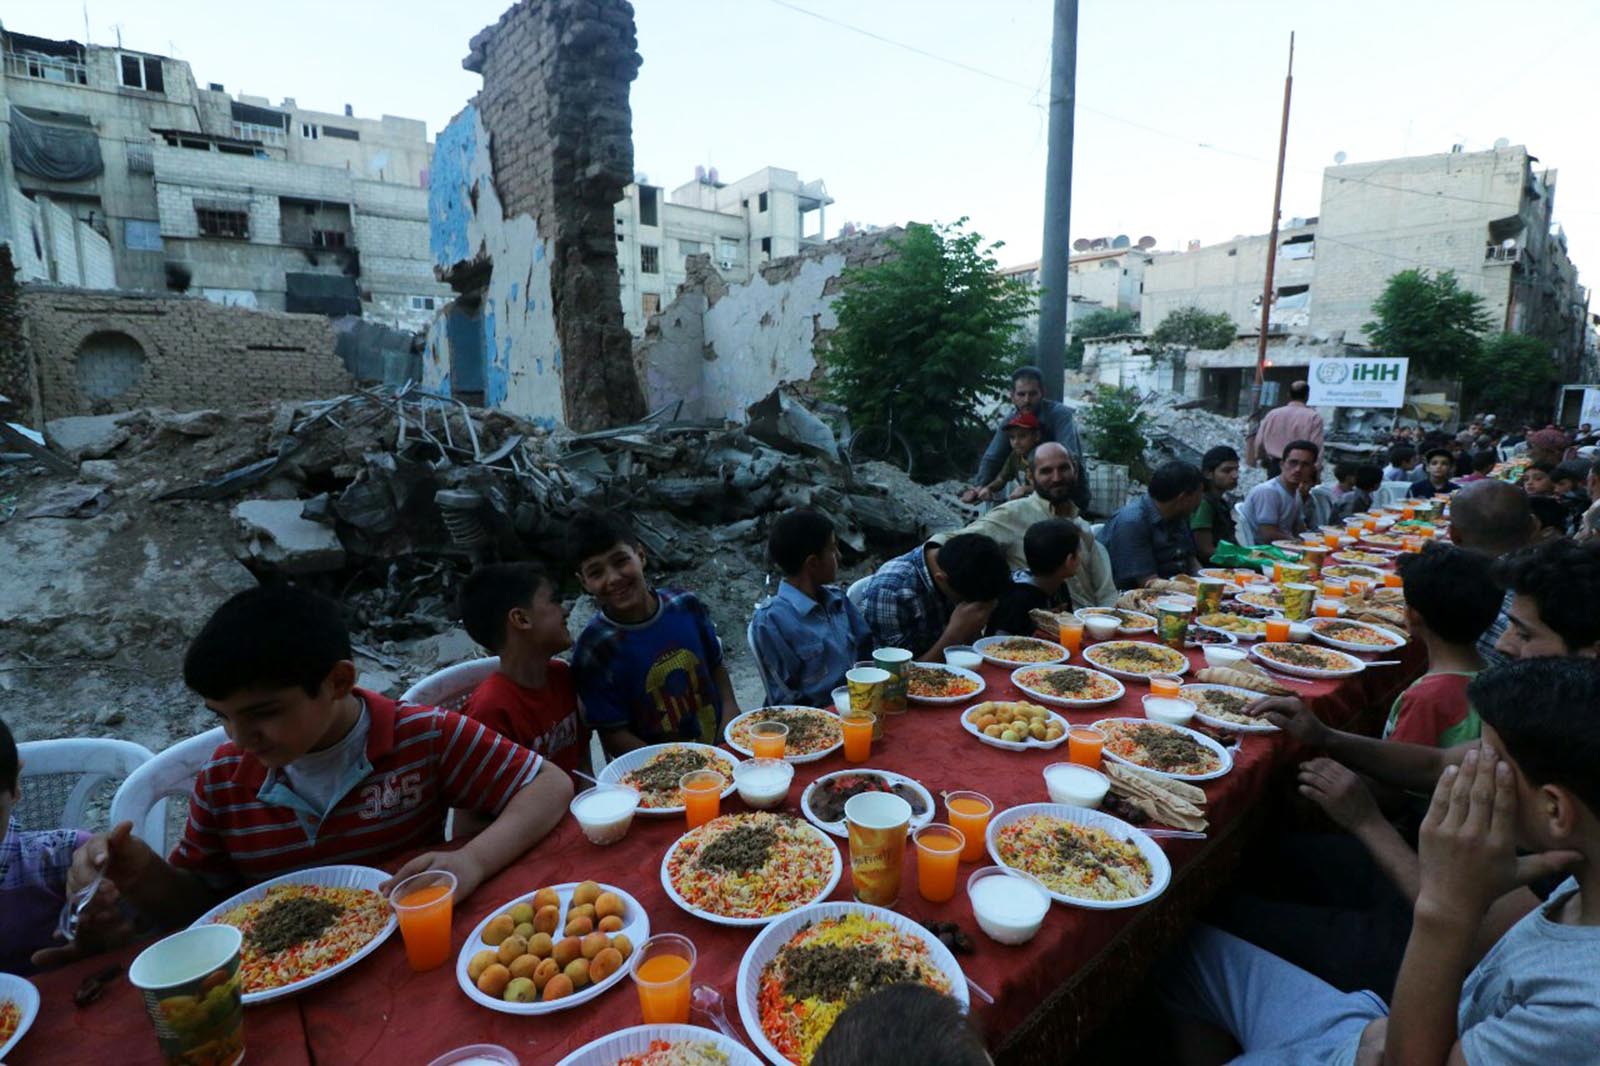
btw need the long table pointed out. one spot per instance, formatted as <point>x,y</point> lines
<point>1049,993</point>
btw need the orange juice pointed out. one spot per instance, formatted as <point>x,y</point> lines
<point>1408,512</point>
<point>857,730</point>
<point>702,795</point>
<point>1072,635</point>
<point>1392,581</point>
<point>1333,589</point>
<point>939,849</point>
<point>1164,685</point>
<point>1326,608</point>
<point>1083,747</point>
<point>424,904</point>
<point>662,971</point>
<point>1369,525</point>
<point>768,739</point>
<point>1426,532</point>
<point>1277,630</point>
<point>1357,587</point>
<point>1411,544</point>
<point>1331,539</point>
<point>969,813</point>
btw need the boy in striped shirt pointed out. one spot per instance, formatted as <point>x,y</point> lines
<point>316,771</point>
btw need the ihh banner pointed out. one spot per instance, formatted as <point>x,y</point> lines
<point>1358,382</point>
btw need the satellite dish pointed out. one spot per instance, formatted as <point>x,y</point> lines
<point>1501,142</point>
<point>1120,241</point>
<point>1098,244</point>
<point>1082,244</point>
<point>1339,156</point>
<point>1147,243</point>
<point>1509,242</point>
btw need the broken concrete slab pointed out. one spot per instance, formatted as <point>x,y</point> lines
<point>87,436</point>
<point>193,423</point>
<point>276,534</point>
<point>99,471</point>
<point>71,501</point>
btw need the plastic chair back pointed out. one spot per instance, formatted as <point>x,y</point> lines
<point>449,688</point>
<point>857,592</point>
<point>60,778</point>
<point>142,799</point>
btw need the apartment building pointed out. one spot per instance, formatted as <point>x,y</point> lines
<point>740,225</point>
<point>1106,275</point>
<point>118,170</point>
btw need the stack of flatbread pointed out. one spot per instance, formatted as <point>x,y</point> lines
<point>1243,674</point>
<point>1166,801</point>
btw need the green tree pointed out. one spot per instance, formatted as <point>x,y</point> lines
<point>1193,327</point>
<point>1103,322</point>
<point>1511,374</point>
<point>1430,320</point>
<point>932,333</point>
<point>1116,426</point>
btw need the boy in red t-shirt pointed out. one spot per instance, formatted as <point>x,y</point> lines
<point>1451,598</point>
<point>512,610</point>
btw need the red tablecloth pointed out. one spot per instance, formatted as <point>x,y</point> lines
<point>380,1012</point>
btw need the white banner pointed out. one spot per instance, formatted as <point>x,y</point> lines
<point>1590,411</point>
<point>1360,381</point>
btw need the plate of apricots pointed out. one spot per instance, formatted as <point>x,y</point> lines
<point>552,949</point>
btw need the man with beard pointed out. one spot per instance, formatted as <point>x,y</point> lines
<point>1057,423</point>
<point>1055,479</point>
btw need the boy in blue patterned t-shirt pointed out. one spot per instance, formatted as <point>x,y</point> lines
<point>649,665</point>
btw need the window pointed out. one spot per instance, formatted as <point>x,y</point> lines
<point>766,246</point>
<point>310,131</point>
<point>649,259</point>
<point>341,133</point>
<point>649,198</point>
<point>761,202</point>
<point>688,248</point>
<point>227,223</point>
<point>327,238</point>
<point>423,303</point>
<point>650,303</point>
<point>142,72</point>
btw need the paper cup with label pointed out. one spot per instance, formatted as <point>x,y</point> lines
<point>1172,621</point>
<point>877,824</point>
<point>1208,595</point>
<point>1297,600</point>
<point>1313,558</point>
<point>866,685</point>
<point>1288,572</point>
<point>894,661</point>
<point>191,987</point>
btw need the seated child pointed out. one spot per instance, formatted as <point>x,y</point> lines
<point>513,611</point>
<point>1051,548</point>
<point>809,634</point>
<point>318,771</point>
<point>1539,480</point>
<point>1023,434</point>
<point>1552,518</point>
<point>1359,499</point>
<point>1327,501</point>
<point>649,664</point>
<point>33,872</point>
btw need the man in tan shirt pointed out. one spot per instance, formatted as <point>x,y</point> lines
<point>1055,475</point>
<point>1283,425</point>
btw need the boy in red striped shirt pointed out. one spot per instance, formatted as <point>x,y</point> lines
<point>317,771</point>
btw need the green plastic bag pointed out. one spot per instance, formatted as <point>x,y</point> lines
<point>1262,555</point>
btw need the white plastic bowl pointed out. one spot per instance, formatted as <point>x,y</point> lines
<point>605,812</point>
<point>1009,911</point>
<point>758,782</point>
<point>1299,632</point>
<point>841,699</point>
<point>1168,710</point>
<point>477,1055</point>
<point>1102,626</point>
<point>1074,785</point>
<point>964,656</point>
<point>1222,657</point>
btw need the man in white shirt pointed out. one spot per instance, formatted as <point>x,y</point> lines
<point>1274,509</point>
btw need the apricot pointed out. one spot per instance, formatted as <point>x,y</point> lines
<point>545,897</point>
<point>540,945</point>
<point>546,920</point>
<point>585,911</point>
<point>524,930</point>
<point>511,947</point>
<point>609,924</point>
<point>546,969</point>
<point>493,980</point>
<point>523,912</point>
<point>587,892</point>
<point>480,962</point>
<point>594,944</point>
<point>577,971</point>
<point>603,965</point>
<point>499,927</point>
<point>623,945</point>
<point>567,949</point>
<point>558,987</point>
<point>580,926</point>
<point>523,966</point>
<point>520,990</point>
<point>609,905</point>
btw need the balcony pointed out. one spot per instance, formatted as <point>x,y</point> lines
<point>255,131</point>
<point>46,68</point>
<point>1499,253</point>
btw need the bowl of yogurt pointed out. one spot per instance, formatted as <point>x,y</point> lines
<point>605,812</point>
<point>477,1055</point>
<point>964,656</point>
<point>1102,626</point>
<point>1221,656</point>
<point>763,783</point>
<point>1009,906</point>
<point>1074,785</point>
<point>1168,710</point>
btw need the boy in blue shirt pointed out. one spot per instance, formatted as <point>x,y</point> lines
<point>649,665</point>
<point>809,634</point>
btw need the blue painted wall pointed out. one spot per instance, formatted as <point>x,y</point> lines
<point>449,185</point>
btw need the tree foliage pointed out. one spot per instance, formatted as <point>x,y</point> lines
<point>1102,322</point>
<point>1116,426</point>
<point>1430,320</point>
<point>930,333</point>
<point>1194,327</point>
<point>1511,374</point>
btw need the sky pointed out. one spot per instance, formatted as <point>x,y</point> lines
<point>931,110</point>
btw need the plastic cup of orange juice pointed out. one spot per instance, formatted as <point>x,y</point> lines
<point>702,795</point>
<point>1408,512</point>
<point>663,969</point>
<point>1277,630</point>
<point>1164,685</point>
<point>939,850</point>
<point>1326,608</point>
<point>969,812</point>
<point>1083,747</point>
<point>1332,539</point>
<point>1356,587</point>
<point>767,739</point>
<point>1426,532</point>
<point>1411,544</point>
<point>1393,581</point>
<point>1369,525</point>
<point>1071,635</point>
<point>857,730</point>
<point>424,903</point>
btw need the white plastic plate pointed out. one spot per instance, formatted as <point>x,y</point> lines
<point>1018,745</point>
<point>21,992</point>
<point>1058,653</point>
<point>608,1050</point>
<point>1160,867</point>
<point>1066,701</point>
<point>813,757</point>
<point>718,919</point>
<point>1205,741</point>
<point>949,701</point>
<point>1395,642</point>
<point>1263,726</point>
<point>1128,675</point>
<point>838,828</point>
<point>615,770</point>
<point>1355,665</point>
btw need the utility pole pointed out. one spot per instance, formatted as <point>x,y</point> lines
<point>1058,199</point>
<point>1272,238</point>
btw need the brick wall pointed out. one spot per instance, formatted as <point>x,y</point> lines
<point>555,104</point>
<point>100,352</point>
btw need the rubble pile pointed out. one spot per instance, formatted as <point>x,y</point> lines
<point>1179,429</point>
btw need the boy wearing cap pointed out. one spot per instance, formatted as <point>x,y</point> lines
<point>1023,433</point>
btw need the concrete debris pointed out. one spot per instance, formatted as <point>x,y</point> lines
<point>88,436</point>
<point>99,471</point>
<point>1179,430</point>
<point>71,501</point>
<point>277,537</point>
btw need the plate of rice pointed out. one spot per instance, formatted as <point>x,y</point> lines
<point>1020,651</point>
<point>662,1045</point>
<point>1084,858</point>
<point>19,1006</point>
<point>654,772</point>
<point>747,869</point>
<point>1223,706</point>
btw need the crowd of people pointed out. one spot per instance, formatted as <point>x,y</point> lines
<point>1454,917</point>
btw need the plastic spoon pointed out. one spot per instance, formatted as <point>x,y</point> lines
<point>72,910</point>
<point>708,1001</point>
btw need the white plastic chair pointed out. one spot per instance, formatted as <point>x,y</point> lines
<point>761,667</point>
<point>142,799</point>
<point>857,592</point>
<point>60,777</point>
<point>449,688</point>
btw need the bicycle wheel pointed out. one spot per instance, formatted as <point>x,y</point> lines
<point>880,444</point>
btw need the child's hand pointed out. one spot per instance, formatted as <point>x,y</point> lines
<point>469,872</point>
<point>1291,715</point>
<point>124,858</point>
<point>1340,792</point>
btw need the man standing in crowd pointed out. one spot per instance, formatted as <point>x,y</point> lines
<point>1055,476</point>
<point>1149,538</point>
<point>1492,518</point>
<point>1273,509</point>
<point>1291,422</point>
<point>1056,423</point>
